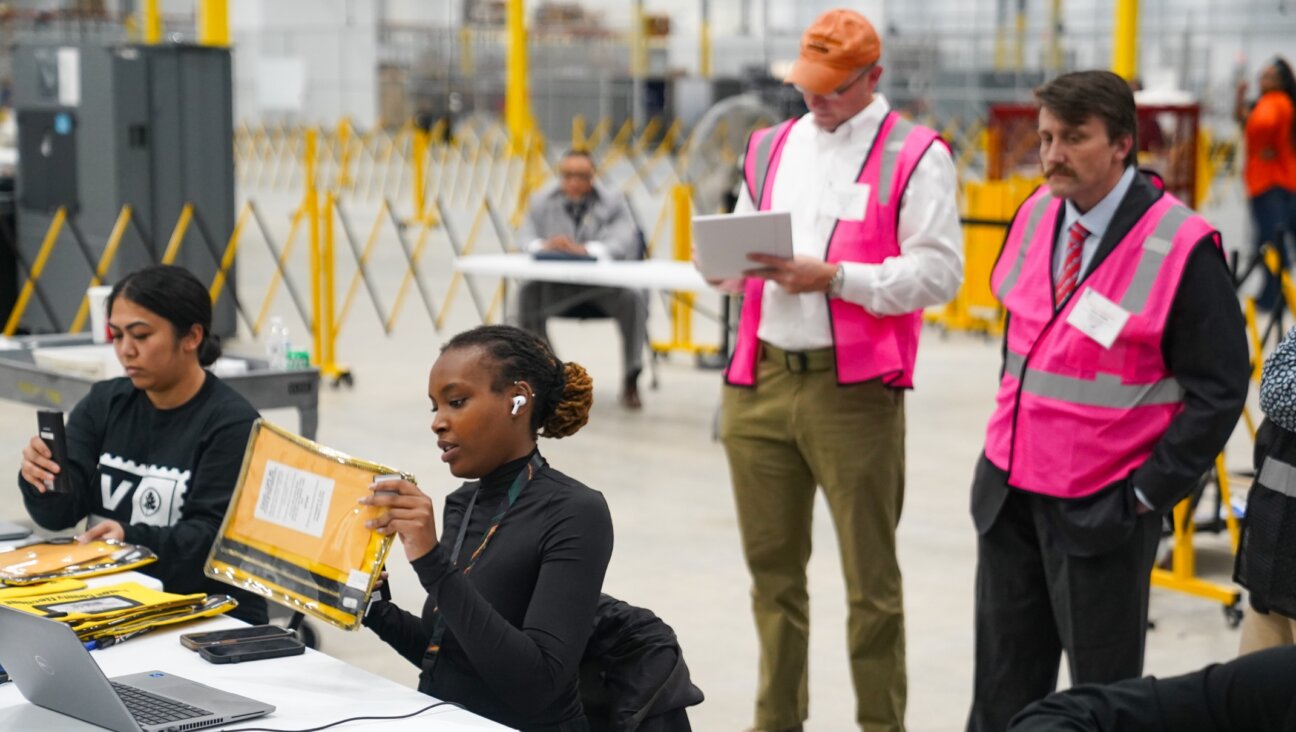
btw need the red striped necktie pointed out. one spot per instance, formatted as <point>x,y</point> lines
<point>1070,275</point>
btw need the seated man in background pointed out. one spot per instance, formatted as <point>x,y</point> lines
<point>579,218</point>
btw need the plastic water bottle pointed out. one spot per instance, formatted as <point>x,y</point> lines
<point>277,344</point>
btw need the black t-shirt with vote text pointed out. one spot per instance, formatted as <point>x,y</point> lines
<point>166,475</point>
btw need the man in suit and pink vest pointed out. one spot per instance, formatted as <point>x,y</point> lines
<point>1125,369</point>
<point>826,345</point>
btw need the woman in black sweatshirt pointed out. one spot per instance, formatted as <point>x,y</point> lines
<point>154,455</point>
<point>514,579</point>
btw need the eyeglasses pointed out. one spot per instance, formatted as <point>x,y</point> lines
<point>837,93</point>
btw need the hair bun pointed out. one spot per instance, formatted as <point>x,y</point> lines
<point>209,349</point>
<point>572,409</point>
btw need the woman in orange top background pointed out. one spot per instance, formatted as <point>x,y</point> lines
<point>1270,172</point>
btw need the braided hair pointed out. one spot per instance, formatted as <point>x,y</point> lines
<point>563,392</point>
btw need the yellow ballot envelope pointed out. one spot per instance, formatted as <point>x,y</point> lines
<point>128,599</point>
<point>42,588</point>
<point>65,558</point>
<point>112,613</point>
<point>295,532</point>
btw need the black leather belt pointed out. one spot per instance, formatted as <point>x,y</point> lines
<point>819,359</point>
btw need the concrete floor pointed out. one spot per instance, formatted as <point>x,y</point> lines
<point>677,549</point>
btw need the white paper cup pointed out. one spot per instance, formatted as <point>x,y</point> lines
<point>99,312</point>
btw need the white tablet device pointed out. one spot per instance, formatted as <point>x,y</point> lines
<point>723,241</point>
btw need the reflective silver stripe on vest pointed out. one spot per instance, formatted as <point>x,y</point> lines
<point>1032,223</point>
<point>1278,476</point>
<point>891,147</point>
<point>1104,390</point>
<point>1155,250</point>
<point>1014,364</point>
<point>763,149</point>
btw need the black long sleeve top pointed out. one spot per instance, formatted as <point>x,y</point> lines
<point>518,622</point>
<point>166,475</point>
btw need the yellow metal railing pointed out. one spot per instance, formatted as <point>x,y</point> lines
<point>681,308</point>
<point>178,234</point>
<point>475,169</point>
<point>105,261</point>
<point>38,267</point>
<point>1181,576</point>
<point>186,220</point>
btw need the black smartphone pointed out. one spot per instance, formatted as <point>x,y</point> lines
<point>49,423</point>
<point>194,641</point>
<point>252,650</point>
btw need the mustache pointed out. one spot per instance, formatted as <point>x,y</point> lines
<point>1059,170</point>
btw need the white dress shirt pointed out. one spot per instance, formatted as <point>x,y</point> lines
<point>1095,221</point>
<point>928,270</point>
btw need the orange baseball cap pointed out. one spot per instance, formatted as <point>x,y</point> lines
<point>839,43</point>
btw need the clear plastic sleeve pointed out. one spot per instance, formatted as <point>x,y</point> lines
<point>294,531</point>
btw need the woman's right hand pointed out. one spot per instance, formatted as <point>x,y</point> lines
<point>409,515</point>
<point>38,466</point>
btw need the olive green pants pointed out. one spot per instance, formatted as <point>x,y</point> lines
<point>798,429</point>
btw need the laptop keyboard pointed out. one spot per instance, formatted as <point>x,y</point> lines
<point>153,709</point>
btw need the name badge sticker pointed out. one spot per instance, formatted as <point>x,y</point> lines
<point>848,202</point>
<point>1097,317</point>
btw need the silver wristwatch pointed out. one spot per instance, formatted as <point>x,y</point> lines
<point>837,282</point>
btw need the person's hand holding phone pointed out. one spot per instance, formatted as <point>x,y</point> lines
<point>38,466</point>
<point>409,515</point>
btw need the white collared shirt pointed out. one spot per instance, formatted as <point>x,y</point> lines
<point>928,270</point>
<point>1095,221</point>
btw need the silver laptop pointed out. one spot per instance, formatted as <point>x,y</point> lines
<point>53,669</point>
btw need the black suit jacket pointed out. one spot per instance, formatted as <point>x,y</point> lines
<point>1205,347</point>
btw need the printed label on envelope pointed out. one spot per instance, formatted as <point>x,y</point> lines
<point>1097,317</point>
<point>294,499</point>
<point>847,202</point>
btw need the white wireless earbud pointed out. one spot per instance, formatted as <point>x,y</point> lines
<point>518,401</point>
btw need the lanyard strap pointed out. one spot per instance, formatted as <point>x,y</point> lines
<point>515,490</point>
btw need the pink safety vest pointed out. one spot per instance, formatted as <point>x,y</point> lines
<point>866,346</point>
<point>1072,417</point>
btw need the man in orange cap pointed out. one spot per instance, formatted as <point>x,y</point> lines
<point>826,345</point>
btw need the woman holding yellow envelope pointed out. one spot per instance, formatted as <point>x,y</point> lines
<point>513,580</point>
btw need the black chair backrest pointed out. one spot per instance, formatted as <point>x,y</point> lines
<point>633,676</point>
